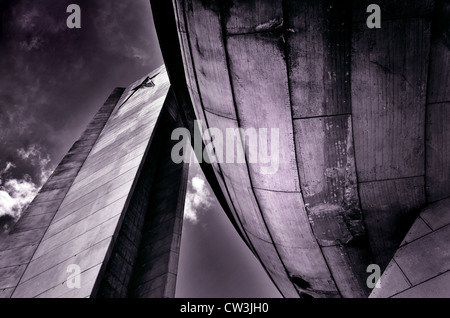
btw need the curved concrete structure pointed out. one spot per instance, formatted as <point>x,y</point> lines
<point>363,144</point>
<point>361,155</point>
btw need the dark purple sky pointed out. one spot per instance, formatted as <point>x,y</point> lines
<point>54,79</point>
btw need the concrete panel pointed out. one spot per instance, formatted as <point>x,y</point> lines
<point>436,287</point>
<point>326,163</point>
<point>16,256</point>
<point>120,150</point>
<point>58,274</point>
<point>63,291</point>
<point>286,219</point>
<point>191,80</point>
<point>308,266</point>
<point>439,79</point>
<point>209,57</point>
<point>120,142</point>
<point>21,239</point>
<point>6,293</point>
<point>328,177</point>
<point>157,287</point>
<point>192,84</point>
<point>236,179</point>
<point>71,227</point>
<point>318,46</point>
<point>437,214</point>
<point>345,278</point>
<point>106,185</point>
<point>417,230</point>
<point>35,209</point>
<point>391,282</point>
<point>262,101</point>
<point>438,152</point>
<point>56,183</point>
<point>34,222</point>
<point>389,77</point>
<point>82,214</point>
<point>133,150</point>
<point>390,207</point>
<point>102,200</point>
<point>234,166</point>
<point>164,263</point>
<point>291,233</point>
<point>271,260</point>
<point>169,226</point>
<point>161,246</point>
<point>248,210</point>
<point>249,16</point>
<point>425,257</point>
<point>79,244</point>
<point>117,167</point>
<point>10,276</point>
<point>97,190</point>
<point>50,195</point>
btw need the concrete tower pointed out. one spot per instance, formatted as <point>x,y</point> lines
<point>112,210</point>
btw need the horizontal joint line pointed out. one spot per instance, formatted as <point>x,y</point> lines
<point>391,179</point>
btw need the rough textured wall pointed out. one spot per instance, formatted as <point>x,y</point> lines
<point>351,104</point>
<point>421,264</point>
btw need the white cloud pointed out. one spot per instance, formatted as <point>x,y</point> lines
<point>35,156</point>
<point>17,193</point>
<point>198,199</point>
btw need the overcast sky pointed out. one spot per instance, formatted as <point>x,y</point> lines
<point>54,79</point>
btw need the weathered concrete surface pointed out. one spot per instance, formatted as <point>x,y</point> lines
<point>19,247</point>
<point>389,76</point>
<point>223,48</point>
<point>318,56</point>
<point>438,106</point>
<point>351,107</point>
<point>330,190</point>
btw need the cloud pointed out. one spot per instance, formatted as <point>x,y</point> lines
<point>54,79</point>
<point>16,193</point>
<point>15,196</point>
<point>34,155</point>
<point>198,199</point>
